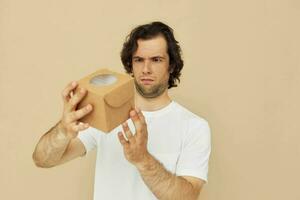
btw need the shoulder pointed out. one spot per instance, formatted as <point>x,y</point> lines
<point>195,126</point>
<point>188,116</point>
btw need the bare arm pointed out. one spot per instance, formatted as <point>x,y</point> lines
<point>60,144</point>
<point>55,147</point>
<point>163,184</point>
<point>166,185</point>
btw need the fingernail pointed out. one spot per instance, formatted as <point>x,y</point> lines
<point>89,107</point>
<point>132,113</point>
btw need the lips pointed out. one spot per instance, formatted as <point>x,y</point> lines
<point>146,81</point>
<point>146,78</point>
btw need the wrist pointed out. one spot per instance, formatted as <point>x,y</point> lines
<point>62,132</point>
<point>147,163</point>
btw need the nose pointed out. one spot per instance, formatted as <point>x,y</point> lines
<point>146,67</point>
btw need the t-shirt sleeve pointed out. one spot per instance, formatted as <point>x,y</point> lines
<point>89,138</point>
<point>194,156</point>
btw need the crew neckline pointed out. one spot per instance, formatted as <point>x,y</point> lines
<point>161,111</point>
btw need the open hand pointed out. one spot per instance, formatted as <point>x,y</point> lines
<point>135,148</point>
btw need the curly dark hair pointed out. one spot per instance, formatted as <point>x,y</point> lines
<point>149,31</point>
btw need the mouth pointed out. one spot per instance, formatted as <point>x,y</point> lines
<point>146,81</point>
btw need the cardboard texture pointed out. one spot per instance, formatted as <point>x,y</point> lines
<point>112,96</point>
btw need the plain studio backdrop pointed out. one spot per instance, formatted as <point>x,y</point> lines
<point>241,73</point>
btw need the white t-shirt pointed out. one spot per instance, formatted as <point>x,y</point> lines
<point>179,139</point>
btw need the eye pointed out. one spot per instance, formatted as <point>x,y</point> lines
<point>157,59</point>
<point>137,60</point>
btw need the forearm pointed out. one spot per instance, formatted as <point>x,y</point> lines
<point>164,184</point>
<point>51,147</point>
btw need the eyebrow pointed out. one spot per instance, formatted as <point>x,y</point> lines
<point>161,57</point>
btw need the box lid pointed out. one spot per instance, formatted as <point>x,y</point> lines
<point>115,88</point>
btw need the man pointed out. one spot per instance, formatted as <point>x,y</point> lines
<point>161,152</point>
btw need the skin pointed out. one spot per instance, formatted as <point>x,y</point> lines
<point>151,60</point>
<point>60,144</point>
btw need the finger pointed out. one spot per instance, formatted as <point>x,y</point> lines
<point>128,133</point>
<point>66,92</point>
<point>136,121</point>
<point>75,99</point>
<point>140,115</point>
<point>80,127</point>
<point>76,115</point>
<point>143,120</point>
<point>122,139</point>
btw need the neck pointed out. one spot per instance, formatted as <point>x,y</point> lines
<point>152,104</point>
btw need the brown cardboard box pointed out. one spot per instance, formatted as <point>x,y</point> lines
<point>112,97</point>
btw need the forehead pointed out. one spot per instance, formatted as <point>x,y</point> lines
<point>151,47</point>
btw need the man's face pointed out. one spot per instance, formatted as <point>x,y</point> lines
<point>150,64</point>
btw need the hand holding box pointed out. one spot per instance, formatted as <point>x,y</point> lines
<point>112,97</point>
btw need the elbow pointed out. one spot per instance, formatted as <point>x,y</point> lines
<point>38,162</point>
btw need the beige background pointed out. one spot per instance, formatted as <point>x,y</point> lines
<point>242,73</point>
